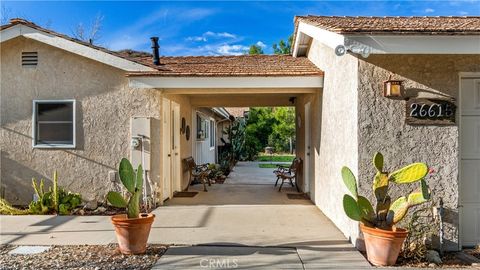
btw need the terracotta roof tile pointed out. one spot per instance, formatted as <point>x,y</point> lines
<point>442,25</point>
<point>242,65</point>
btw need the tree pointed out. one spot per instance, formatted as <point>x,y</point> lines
<point>283,131</point>
<point>90,34</point>
<point>283,47</point>
<point>255,49</point>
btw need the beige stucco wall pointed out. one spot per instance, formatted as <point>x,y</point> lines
<point>382,124</point>
<point>105,105</point>
<point>335,134</point>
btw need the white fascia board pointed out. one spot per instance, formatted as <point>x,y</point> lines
<point>417,44</point>
<point>394,44</point>
<point>226,82</point>
<point>328,38</point>
<point>221,111</point>
<point>71,46</point>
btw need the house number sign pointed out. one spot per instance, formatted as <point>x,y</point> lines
<point>421,111</point>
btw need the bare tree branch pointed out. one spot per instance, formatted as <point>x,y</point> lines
<point>5,14</point>
<point>94,32</point>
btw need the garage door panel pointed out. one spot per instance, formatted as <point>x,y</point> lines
<point>470,186</point>
<point>470,225</point>
<point>470,137</point>
<point>470,97</point>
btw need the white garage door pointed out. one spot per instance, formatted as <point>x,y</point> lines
<point>470,161</point>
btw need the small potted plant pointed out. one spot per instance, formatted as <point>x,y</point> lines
<point>383,240</point>
<point>132,229</point>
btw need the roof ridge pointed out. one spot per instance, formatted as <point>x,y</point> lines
<point>387,17</point>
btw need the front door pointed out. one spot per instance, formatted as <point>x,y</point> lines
<point>470,161</point>
<point>176,161</point>
<point>166,149</point>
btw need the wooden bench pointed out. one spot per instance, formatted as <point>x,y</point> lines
<point>288,173</point>
<point>199,172</point>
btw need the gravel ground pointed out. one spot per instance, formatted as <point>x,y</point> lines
<point>81,257</point>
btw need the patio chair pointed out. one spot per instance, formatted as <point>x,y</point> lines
<point>290,173</point>
<point>199,172</point>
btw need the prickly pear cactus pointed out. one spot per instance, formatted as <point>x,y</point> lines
<point>386,212</point>
<point>133,183</point>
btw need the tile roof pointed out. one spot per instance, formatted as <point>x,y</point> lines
<point>228,66</point>
<point>244,65</point>
<point>442,25</point>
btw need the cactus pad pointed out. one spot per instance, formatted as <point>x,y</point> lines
<point>416,198</point>
<point>115,199</point>
<point>397,210</point>
<point>351,208</point>
<point>378,161</point>
<point>127,175</point>
<point>366,209</point>
<point>349,181</point>
<point>409,174</point>
<point>380,186</point>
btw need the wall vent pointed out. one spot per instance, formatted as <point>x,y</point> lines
<point>29,59</point>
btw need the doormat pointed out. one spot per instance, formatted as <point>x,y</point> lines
<point>183,194</point>
<point>297,196</point>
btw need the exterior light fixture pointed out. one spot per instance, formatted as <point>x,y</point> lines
<point>392,88</point>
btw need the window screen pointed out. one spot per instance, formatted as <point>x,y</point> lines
<point>54,123</point>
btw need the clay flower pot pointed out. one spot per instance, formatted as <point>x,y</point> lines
<point>132,233</point>
<point>383,246</point>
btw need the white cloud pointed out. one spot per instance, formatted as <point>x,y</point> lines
<point>463,13</point>
<point>163,22</point>
<point>261,44</point>
<point>214,35</point>
<point>429,10</point>
<point>232,49</point>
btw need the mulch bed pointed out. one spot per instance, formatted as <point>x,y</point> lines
<point>449,261</point>
<point>92,257</point>
<point>297,196</point>
<point>185,194</point>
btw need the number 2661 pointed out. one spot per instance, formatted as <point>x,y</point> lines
<point>431,111</point>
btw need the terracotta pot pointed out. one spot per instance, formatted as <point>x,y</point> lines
<point>132,233</point>
<point>383,246</point>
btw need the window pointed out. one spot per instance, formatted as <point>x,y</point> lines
<point>212,133</point>
<point>202,130</point>
<point>54,123</point>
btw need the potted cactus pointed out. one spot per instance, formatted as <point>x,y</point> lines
<point>383,240</point>
<point>132,229</point>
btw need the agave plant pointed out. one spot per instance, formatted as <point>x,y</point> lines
<point>386,213</point>
<point>133,183</point>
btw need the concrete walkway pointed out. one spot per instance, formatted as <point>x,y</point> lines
<point>245,219</point>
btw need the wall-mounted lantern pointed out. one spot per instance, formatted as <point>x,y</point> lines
<point>392,88</point>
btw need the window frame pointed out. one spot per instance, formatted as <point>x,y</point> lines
<point>35,126</point>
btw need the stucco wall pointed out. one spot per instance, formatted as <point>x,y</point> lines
<point>382,124</point>
<point>337,144</point>
<point>105,105</point>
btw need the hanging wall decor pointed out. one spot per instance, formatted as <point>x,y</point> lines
<point>187,133</point>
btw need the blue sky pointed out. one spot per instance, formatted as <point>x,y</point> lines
<point>210,28</point>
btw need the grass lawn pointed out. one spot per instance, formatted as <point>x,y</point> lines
<point>276,158</point>
<point>269,165</point>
